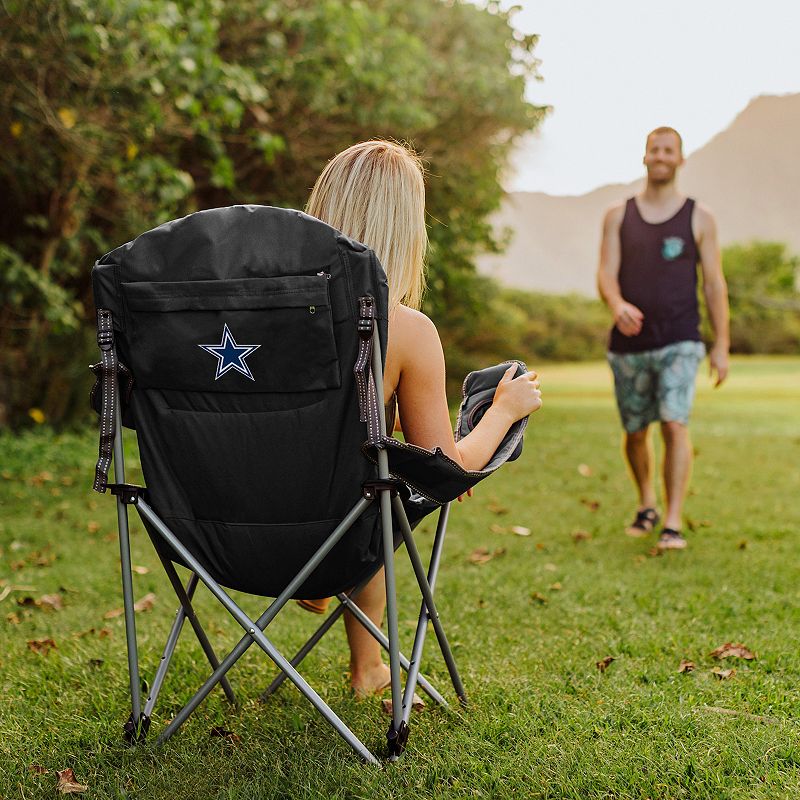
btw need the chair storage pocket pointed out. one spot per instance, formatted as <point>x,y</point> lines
<point>238,335</point>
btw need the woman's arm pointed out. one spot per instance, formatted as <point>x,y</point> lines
<point>416,358</point>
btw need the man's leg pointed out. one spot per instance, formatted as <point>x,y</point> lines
<point>677,368</point>
<point>639,454</point>
<point>634,388</point>
<point>677,468</point>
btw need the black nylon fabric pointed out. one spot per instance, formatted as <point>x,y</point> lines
<point>239,327</point>
<point>430,472</point>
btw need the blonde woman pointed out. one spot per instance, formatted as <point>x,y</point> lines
<point>374,192</point>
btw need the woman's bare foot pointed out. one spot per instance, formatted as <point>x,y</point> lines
<point>369,681</point>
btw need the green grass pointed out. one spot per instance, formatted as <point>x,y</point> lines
<point>527,627</point>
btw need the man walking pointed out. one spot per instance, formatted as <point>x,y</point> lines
<point>647,277</point>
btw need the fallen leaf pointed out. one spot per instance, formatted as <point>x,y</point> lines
<point>92,526</point>
<point>538,597</point>
<point>37,769</point>
<point>417,704</point>
<point>103,633</point>
<point>551,567</point>
<point>592,505</point>
<point>13,619</point>
<point>495,528</point>
<point>50,601</point>
<point>67,783</point>
<point>732,650</point>
<point>481,555</point>
<point>223,733</point>
<point>541,546</point>
<point>146,603</point>
<point>520,530</point>
<point>41,646</point>
<point>141,570</point>
<point>496,508</point>
<point>603,663</point>
<point>556,587</point>
<point>686,666</point>
<point>581,536</point>
<point>585,470</point>
<point>655,552</point>
<point>723,674</point>
<point>115,612</point>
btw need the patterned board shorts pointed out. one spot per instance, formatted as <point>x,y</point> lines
<point>656,384</point>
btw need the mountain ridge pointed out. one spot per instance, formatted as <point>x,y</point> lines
<point>747,174</point>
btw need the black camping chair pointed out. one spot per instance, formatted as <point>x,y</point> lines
<point>246,345</point>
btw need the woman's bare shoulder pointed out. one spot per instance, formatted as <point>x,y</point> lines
<point>408,324</point>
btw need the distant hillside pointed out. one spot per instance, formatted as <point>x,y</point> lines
<point>749,175</point>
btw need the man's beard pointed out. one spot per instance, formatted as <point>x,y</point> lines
<point>661,180</point>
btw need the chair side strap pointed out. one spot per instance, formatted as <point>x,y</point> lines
<point>369,409</point>
<point>108,384</point>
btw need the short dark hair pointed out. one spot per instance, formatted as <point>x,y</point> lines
<point>665,129</point>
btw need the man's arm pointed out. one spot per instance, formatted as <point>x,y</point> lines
<point>715,290</point>
<point>627,317</point>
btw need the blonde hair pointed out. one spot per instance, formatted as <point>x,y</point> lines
<point>374,192</point>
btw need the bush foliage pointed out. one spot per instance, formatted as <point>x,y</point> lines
<point>122,114</point>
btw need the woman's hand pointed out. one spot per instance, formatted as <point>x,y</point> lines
<point>517,397</point>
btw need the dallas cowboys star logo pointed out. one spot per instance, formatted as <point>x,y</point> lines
<point>230,355</point>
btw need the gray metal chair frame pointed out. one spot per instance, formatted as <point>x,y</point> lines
<point>384,492</point>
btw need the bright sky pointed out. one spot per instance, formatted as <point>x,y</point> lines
<point>615,69</point>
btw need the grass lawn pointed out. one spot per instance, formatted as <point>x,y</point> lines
<point>528,627</point>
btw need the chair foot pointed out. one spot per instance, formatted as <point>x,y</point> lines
<point>396,739</point>
<point>135,733</point>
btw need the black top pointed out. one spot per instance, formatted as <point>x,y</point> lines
<point>658,274</point>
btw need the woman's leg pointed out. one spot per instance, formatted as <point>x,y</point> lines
<point>368,673</point>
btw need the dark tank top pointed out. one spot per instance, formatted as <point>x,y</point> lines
<point>658,274</point>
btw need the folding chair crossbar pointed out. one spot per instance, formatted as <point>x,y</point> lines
<point>254,629</point>
<point>346,602</point>
<point>185,611</point>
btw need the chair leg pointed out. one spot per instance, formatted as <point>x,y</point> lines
<point>427,595</point>
<point>422,623</point>
<point>397,735</point>
<point>185,598</point>
<point>135,729</point>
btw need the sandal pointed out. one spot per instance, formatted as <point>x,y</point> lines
<point>670,539</point>
<point>646,520</point>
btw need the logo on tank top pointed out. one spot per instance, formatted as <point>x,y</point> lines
<point>229,355</point>
<point>672,247</point>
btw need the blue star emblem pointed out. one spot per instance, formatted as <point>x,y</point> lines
<point>230,355</point>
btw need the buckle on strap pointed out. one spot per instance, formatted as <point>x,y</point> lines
<point>105,330</point>
<point>366,316</point>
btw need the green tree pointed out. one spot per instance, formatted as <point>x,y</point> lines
<point>121,114</point>
<point>764,299</point>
